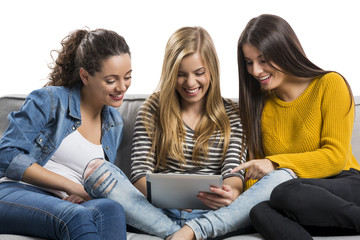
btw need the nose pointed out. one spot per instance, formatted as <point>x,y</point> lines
<point>257,69</point>
<point>121,86</point>
<point>191,80</point>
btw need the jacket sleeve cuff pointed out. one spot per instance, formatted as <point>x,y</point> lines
<point>18,166</point>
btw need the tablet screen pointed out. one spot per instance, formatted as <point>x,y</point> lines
<point>179,191</point>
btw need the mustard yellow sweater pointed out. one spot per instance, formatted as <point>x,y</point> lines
<point>312,134</point>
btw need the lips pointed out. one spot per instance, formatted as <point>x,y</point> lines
<point>264,79</point>
<point>117,97</point>
<point>192,91</point>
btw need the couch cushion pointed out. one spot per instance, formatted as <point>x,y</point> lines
<point>9,104</point>
<point>356,131</point>
<point>128,110</point>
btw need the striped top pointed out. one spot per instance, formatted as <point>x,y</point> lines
<point>312,134</point>
<point>142,163</point>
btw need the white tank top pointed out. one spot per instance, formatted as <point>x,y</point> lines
<point>71,158</point>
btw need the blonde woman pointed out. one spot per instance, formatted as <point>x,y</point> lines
<point>187,127</point>
<point>187,118</point>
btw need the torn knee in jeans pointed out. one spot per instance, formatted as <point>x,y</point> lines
<point>92,166</point>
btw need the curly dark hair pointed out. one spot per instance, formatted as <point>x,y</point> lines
<point>84,49</point>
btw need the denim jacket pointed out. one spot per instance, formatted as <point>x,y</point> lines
<point>47,116</point>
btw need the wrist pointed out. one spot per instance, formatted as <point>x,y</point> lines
<point>275,165</point>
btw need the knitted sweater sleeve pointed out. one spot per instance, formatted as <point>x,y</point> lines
<point>334,111</point>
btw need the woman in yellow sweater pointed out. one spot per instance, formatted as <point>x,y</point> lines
<point>299,117</point>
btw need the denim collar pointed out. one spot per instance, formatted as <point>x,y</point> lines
<point>74,108</point>
<point>74,101</point>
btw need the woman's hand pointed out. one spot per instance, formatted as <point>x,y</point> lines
<point>74,199</point>
<point>257,168</point>
<point>220,197</point>
<point>76,193</point>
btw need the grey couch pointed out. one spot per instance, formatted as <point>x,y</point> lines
<point>129,110</point>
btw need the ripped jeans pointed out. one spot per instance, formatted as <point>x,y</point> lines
<point>106,180</point>
<point>236,216</point>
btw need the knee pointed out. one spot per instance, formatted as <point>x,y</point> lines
<point>92,166</point>
<point>78,216</point>
<point>103,177</point>
<point>257,213</point>
<point>79,221</point>
<point>286,194</point>
<point>118,213</point>
<point>110,209</point>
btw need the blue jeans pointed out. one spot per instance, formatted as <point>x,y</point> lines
<point>27,210</point>
<point>181,217</point>
<point>139,212</point>
<point>165,222</point>
<point>235,217</point>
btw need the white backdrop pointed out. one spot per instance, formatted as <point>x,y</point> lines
<point>30,29</point>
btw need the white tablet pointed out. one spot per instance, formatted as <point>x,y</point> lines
<point>179,191</point>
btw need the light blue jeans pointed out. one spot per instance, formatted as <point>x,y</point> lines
<point>144,216</point>
<point>236,216</point>
<point>139,212</point>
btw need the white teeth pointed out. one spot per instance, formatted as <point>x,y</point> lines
<point>264,78</point>
<point>192,90</point>
<point>117,96</point>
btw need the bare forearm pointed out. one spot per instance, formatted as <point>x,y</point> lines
<point>141,185</point>
<point>236,184</point>
<point>40,176</point>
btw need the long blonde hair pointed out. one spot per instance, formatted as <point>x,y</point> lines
<point>167,129</point>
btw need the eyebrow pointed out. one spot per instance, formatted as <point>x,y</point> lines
<point>115,76</point>
<point>200,68</point>
<point>260,56</point>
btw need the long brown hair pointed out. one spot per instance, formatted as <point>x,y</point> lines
<point>278,43</point>
<point>167,128</point>
<point>84,49</point>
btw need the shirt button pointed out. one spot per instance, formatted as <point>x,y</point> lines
<point>107,148</point>
<point>73,128</point>
<point>40,140</point>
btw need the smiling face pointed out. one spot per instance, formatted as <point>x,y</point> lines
<point>260,69</point>
<point>108,86</point>
<point>193,80</point>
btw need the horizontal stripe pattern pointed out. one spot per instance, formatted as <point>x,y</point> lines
<point>141,163</point>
